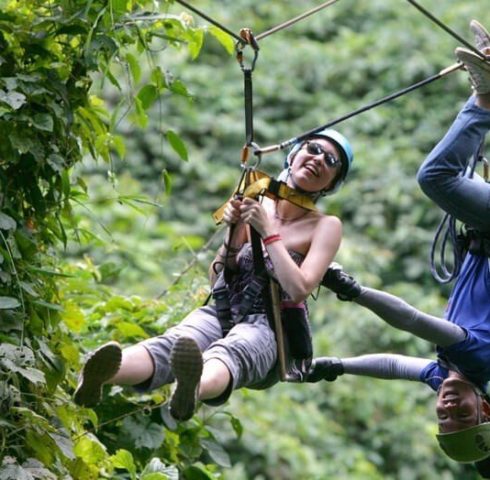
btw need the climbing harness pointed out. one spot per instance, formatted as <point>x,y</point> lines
<point>255,184</point>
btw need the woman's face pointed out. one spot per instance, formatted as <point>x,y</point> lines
<point>458,405</point>
<point>316,165</point>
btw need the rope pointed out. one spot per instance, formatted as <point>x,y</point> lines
<point>444,272</point>
<point>295,19</point>
<point>447,29</point>
<point>210,20</point>
<point>291,141</point>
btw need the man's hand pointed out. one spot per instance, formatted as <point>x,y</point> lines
<point>325,368</point>
<point>341,283</point>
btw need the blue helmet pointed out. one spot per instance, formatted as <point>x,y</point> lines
<point>344,148</point>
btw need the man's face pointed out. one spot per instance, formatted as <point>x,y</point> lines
<point>458,405</point>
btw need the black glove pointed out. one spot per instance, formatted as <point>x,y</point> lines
<point>324,368</point>
<point>341,283</point>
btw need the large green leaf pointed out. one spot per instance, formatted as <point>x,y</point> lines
<point>223,38</point>
<point>6,222</point>
<point>177,144</point>
<point>7,303</point>
<point>43,121</point>
<point>143,432</point>
<point>216,452</point>
<point>124,459</point>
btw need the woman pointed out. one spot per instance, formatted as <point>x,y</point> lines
<point>462,370</point>
<point>298,246</point>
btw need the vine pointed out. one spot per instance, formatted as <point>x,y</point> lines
<point>50,54</point>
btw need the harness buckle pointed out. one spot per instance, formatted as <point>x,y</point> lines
<point>223,309</point>
<point>250,294</point>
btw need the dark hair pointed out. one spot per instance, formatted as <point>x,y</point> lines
<point>483,467</point>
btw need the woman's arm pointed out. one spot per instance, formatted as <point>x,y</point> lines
<point>297,281</point>
<point>300,281</point>
<point>236,235</point>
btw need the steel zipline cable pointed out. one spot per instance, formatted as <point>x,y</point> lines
<point>422,83</point>
<point>295,20</point>
<point>264,34</point>
<point>210,20</point>
<point>242,41</point>
<point>447,29</point>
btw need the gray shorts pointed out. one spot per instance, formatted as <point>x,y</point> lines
<point>249,351</point>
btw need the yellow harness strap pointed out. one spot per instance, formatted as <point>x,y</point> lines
<point>258,183</point>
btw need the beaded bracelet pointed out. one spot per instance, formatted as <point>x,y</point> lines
<point>271,239</point>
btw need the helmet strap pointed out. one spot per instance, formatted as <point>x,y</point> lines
<point>313,195</point>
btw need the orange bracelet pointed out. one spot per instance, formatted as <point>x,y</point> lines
<point>271,239</point>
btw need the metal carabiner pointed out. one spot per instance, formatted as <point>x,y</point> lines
<point>248,39</point>
<point>245,155</point>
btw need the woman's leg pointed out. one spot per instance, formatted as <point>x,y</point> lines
<point>242,358</point>
<point>215,379</point>
<point>136,366</point>
<point>147,364</point>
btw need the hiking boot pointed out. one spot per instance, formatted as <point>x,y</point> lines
<point>482,37</point>
<point>478,70</point>
<point>186,364</point>
<point>101,365</point>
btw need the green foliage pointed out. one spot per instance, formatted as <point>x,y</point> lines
<point>50,118</point>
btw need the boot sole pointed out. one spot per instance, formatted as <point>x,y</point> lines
<point>100,367</point>
<point>186,363</point>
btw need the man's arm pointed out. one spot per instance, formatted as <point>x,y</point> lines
<point>379,365</point>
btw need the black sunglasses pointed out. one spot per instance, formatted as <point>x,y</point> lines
<point>314,148</point>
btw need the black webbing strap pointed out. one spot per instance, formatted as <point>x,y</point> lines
<point>478,242</point>
<point>271,299</point>
<point>223,308</point>
<point>221,294</point>
<point>260,272</point>
<point>248,96</point>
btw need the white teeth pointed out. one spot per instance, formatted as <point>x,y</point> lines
<point>312,170</point>
<point>450,397</point>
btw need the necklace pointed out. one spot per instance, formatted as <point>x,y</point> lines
<point>286,219</point>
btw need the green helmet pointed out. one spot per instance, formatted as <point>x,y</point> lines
<point>468,445</point>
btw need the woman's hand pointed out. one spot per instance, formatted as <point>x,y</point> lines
<point>232,212</point>
<point>253,213</point>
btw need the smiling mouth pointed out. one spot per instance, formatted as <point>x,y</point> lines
<point>450,397</point>
<point>312,170</point>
